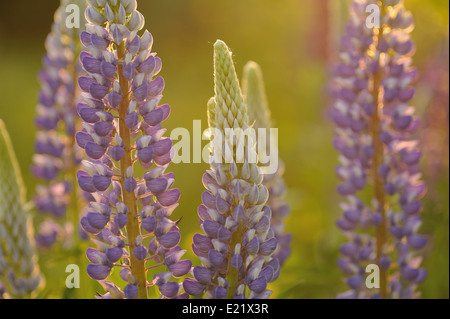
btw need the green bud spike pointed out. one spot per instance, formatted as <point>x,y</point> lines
<point>231,111</point>
<point>18,268</point>
<point>255,96</point>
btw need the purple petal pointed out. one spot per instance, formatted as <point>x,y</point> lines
<point>94,151</point>
<point>149,224</point>
<point>169,198</point>
<point>169,240</point>
<point>385,262</point>
<point>148,66</point>
<point>162,147</point>
<point>98,42</point>
<point>85,182</point>
<point>211,228</point>
<point>203,275</point>
<point>98,91</point>
<point>258,285</point>
<point>180,268</point>
<point>91,65</point>
<point>202,242</point>
<point>355,282</point>
<point>108,70</point>
<point>130,291</point>
<point>130,184</point>
<point>236,261</point>
<point>114,254</point>
<point>97,220</point>
<point>96,257</point>
<point>116,153</point>
<point>223,234</point>
<point>114,99</point>
<point>193,287</point>
<point>88,228</point>
<point>412,208</point>
<point>87,113</point>
<point>268,247</point>
<point>215,257</point>
<point>349,249</point>
<point>156,87</point>
<point>98,272</point>
<point>132,120</point>
<point>409,273</point>
<point>145,155</point>
<point>85,82</point>
<point>129,71</point>
<point>158,185</point>
<point>101,183</point>
<point>140,252</point>
<point>417,241</point>
<point>220,293</point>
<point>158,115</point>
<point>121,220</point>
<point>169,289</point>
<point>252,246</point>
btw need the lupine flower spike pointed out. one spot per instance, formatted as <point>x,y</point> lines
<point>19,272</point>
<point>258,112</point>
<point>379,159</point>
<point>122,116</point>
<point>237,243</point>
<point>57,157</point>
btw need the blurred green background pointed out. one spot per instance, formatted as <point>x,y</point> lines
<point>294,41</point>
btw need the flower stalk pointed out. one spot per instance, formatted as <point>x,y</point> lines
<point>255,98</point>
<point>237,243</point>
<point>57,157</point>
<point>375,130</point>
<point>129,214</point>
<point>19,273</point>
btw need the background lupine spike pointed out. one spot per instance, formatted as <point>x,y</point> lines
<point>57,156</point>
<point>259,113</point>
<point>19,271</point>
<point>235,253</point>
<point>255,96</point>
<point>372,89</point>
<point>129,214</point>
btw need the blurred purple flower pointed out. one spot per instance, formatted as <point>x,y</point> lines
<point>57,157</point>
<point>374,124</point>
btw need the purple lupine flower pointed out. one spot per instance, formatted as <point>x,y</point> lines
<point>57,156</point>
<point>130,214</point>
<point>371,91</point>
<point>235,252</point>
<point>259,113</point>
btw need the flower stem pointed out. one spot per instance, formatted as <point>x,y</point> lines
<point>375,128</point>
<point>74,211</point>
<point>137,267</point>
<point>233,274</point>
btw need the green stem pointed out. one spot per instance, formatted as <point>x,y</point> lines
<point>137,267</point>
<point>375,129</point>
<point>233,274</point>
<point>74,217</point>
